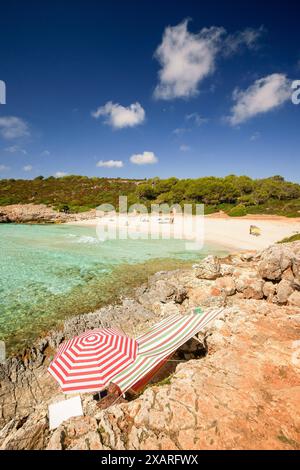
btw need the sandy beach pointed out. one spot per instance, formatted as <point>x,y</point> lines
<point>229,232</point>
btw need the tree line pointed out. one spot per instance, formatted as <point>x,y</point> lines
<point>236,195</point>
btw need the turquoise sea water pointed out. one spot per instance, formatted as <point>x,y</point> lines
<point>48,272</point>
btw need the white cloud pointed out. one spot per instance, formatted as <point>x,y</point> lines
<point>145,158</point>
<point>12,127</point>
<point>248,37</point>
<point>45,153</point>
<point>15,149</point>
<point>184,148</point>
<point>255,136</point>
<point>4,168</point>
<point>180,130</point>
<point>262,96</point>
<point>27,167</point>
<point>110,163</point>
<point>187,58</point>
<point>196,119</point>
<point>119,116</point>
<point>60,174</point>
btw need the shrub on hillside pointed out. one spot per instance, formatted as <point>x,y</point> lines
<point>238,211</point>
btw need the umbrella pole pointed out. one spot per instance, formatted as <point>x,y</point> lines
<point>176,360</point>
<point>197,339</point>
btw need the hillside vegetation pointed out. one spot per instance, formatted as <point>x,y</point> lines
<point>235,195</point>
<point>291,239</point>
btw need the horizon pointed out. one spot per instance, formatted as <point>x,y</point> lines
<point>116,90</point>
<point>42,177</point>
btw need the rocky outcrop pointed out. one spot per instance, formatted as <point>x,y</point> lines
<point>3,217</point>
<point>243,395</point>
<point>38,213</point>
<point>209,268</point>
<point>249,286</point>
<point>283,290</point>
<point>161,291</point>
<point>23,379</point>
<point>228,400</point>
<point>226,284</point>
<point>272,274</point>
<point>237,387</point>
<point>279,265</point>
<point>278,259</point>
<point>294,299</point>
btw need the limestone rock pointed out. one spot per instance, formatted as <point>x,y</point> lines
<point>294,299</point>
<point>205,296</point>
<point>30,436</point>
<point>76,434</point>
<point>247,256</point>
<point>56,441</point>
<point>39,213</point>
<point>4,218</point>
<point>162,290</point>
<point>209,268</point>
<point>269,290</point>
<point>168,309</point>
<point>226,269</point>
<point>276,259</point>
<point>126,316</point>
<point>235,398</point>
<point>288,274</point>
<point>251,288</point>
<point>284,290</point>
<point>296,269</point>
<point>226,284</point>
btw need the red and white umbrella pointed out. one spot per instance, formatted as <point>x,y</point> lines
<point>88,362</point>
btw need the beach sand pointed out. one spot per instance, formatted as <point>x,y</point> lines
<point>229,232</point>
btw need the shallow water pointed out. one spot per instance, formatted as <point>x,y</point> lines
<point>48,272</point>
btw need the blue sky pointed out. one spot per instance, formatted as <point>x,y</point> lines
<point>140,89</point>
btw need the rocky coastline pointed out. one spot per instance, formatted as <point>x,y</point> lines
<point>237,387</point>
<point>39,214</point>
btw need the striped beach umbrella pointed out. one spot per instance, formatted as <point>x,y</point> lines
<point>157,345</point>
<point>88,362</point>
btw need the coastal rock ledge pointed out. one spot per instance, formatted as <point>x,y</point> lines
<point>238,387</point>
<point>39,213</point>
